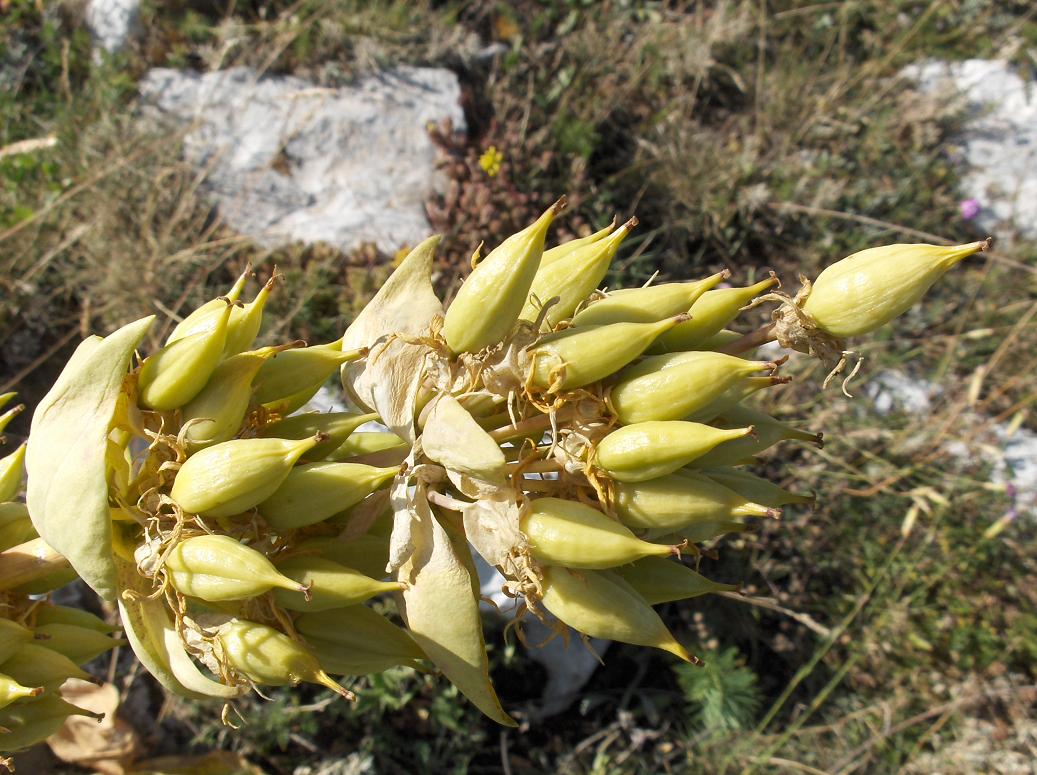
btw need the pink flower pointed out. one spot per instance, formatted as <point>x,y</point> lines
<point>970,208</point>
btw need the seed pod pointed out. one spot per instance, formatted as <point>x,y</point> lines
<point>677,500</point>
<point>245,321</point>
<point>649,450</point>
<point>337,426</point>
<point>266,656</point>
<point>719,340</point>
<point>349,640</point>
<point>46,584</point>
<point>756,488</point>
<point>12,637</point>
<point>769,432</point>
<point>602,605</point>
<point>233,476</point>
<point>48,613</point>
<point>580,356</point>
<point>220,408</point>
<point>488,302</point>
<point>558,251</point>
<point>28,723</point>
<point>12,468</point>
<point>709,315</point>
<point>315,491</point>
<point>12,691</point>
<point>10,414</point>
<point>368,554</point>
<point>734,395</point>
<point>563,532</point>
<point>573,277</point>
<point>646,305</point>
<point>870,288</point>
<point>293,372</point>
<point>205,317</point>
<point>6,398</point>
<point>334,585</point>
<point>671,387</point>
<point>79,644</point>
<point>659,580</point>
<point>174,375</point>
<point>375,448</point>
<point>706,530</point>
<point>33,665</point>
<point>15,525</point>
<point>217,567</point>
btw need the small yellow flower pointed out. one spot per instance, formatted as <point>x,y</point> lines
<point>491,160</point>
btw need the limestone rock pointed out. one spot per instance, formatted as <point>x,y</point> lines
<point>112,22</point>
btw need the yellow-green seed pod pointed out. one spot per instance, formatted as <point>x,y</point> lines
<point>488,303</point>
<point>709,315</point>
<point>649,450</point>
<point>375,448</point>
<point>217,412</point>
<point>48,613</point>
<point>315,491</point>
<point>674,501</point>
<point>246,320</point>
<point>12,637</point>
<point>663,581</point>
<point>33,665</point>
<point>646,305</point>
<point>233,476</point>
<point>15,525</point>
<point>266,656</point>
<point>579,356</point>
<point>295,371</point>
<point>602,605</point>
<point>734,395</point>
<point>768,432</point>
<point>333,585</point>
<point>175,374</point>
<point>349,640</point>
<point>368,554</point>
<point>29,723</point>
<point>205,317</point>
<point>217,568</point>
<point>12,468</point>
<point>79,644</point>
<point>564,532</point>
<point>48,583</point>
<point>671,387</point>
<point>720,340</point>
<point>756,488</point>
<point>12,691</point>
<point>870,288</point>
<point>558,251</point>
<point>337,426</point>
<point>6,398</point>
<point>707,530</point>
<point>573,277</point>
<point>285,406</point>
<point>10,414</point>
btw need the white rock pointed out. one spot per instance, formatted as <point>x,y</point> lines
<point>290,161</point>
<point>999,145</point>
<point>112,22</point>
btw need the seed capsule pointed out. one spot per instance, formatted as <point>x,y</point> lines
<point>580,356</point>
<point>659,580</point>
<point>12,469</point>
<point>28,723</point>
<point>79,644</point>
<point>602,605</point>
<point>356,640</point>
<point>282,380</point>
<point>488,303</point>
<point>671,387</point>
<point>38,666</point>
<point>15,525</point>
<point>12,637</point>
<point>266,656</point>
<point>177,373</point>
<point>220,408</point>
<point>12,691</point>
<point>734,395</point>
<point>375,448</point>
<point>217,568</point>
<point>573,277</point>
<point>649,450</point>
<point>315,491</point>
<point>719,340</point>
<point>646,305</point>
<point>756,488</point>
<point>563,532</point>
<point>341,661</point>
<point>558,251</point>
<point>709,315</point>
<point>769,432</point>
<point>337,426</point>
<point>368,554</point>
<point>870,288</point>
<point>205,317</point>
<point>10,414</point>
<point>675,501</point>
<point>334,585</point>
<point>233,476</point>
<point>60,614</point>
<point>6,398</point>
<point>245,321</point>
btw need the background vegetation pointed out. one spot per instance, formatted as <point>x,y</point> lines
<point>898,629</point>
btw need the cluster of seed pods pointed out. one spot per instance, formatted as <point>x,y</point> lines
<point>581,441</point>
